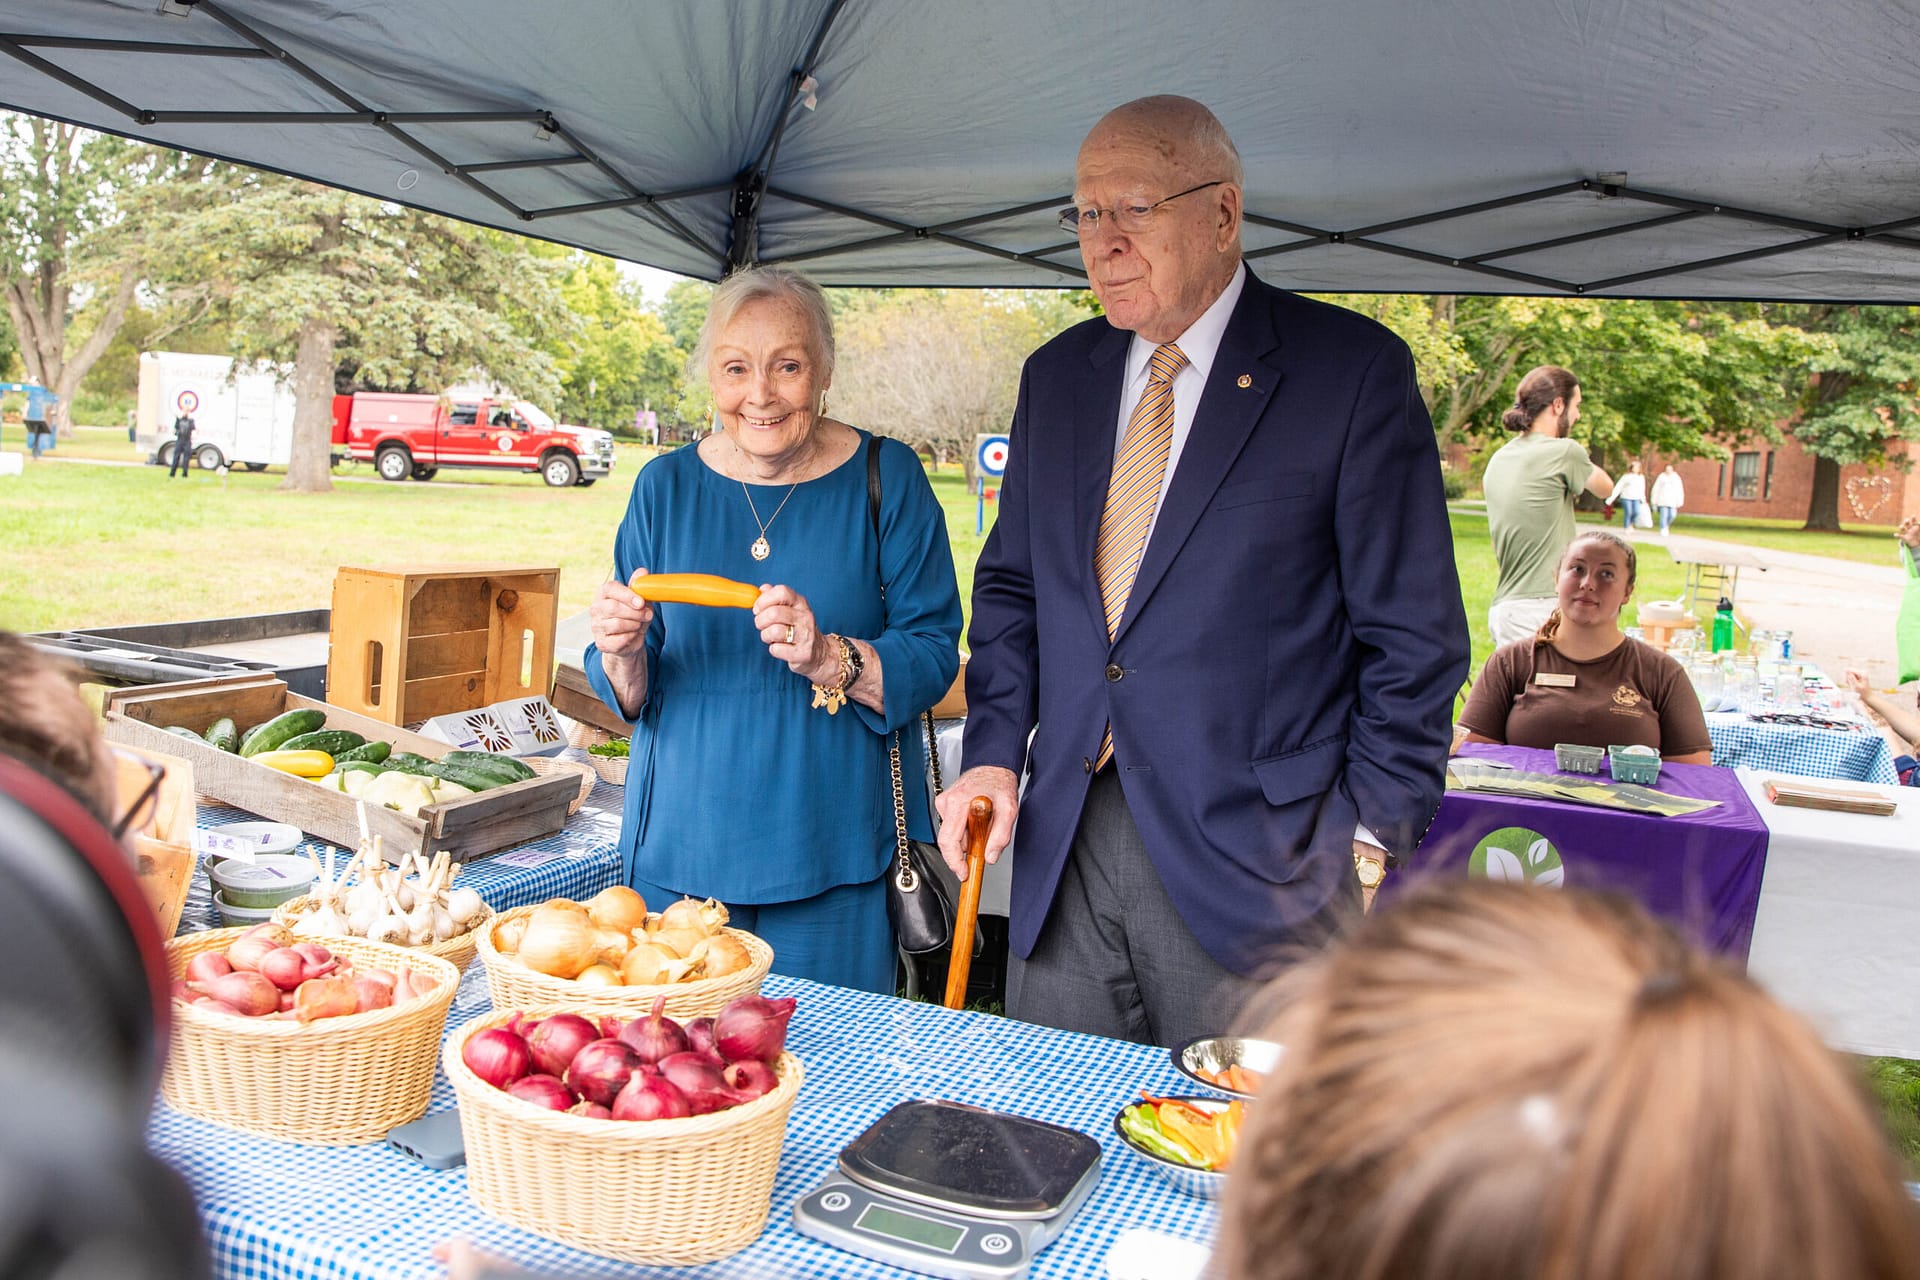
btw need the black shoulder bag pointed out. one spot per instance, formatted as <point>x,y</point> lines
<point>918,904</point>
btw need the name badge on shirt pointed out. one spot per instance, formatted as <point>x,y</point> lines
<point>1555,678</point>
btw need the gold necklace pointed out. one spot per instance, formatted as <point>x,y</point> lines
<point>760,548</point>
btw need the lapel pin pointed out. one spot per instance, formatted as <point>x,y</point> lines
<point>1246,380</point>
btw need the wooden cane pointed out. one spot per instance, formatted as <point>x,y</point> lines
<point>967,915</point>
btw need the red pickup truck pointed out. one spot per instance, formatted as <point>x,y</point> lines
<point>416,435</point>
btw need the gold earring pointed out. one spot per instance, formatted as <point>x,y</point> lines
<point>823,406</point>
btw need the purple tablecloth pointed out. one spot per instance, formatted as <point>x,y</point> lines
<point>1701,872</point>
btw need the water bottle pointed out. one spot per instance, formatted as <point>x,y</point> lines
<point>1723,626</point>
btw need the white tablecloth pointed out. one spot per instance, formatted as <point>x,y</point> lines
<point>1837,933</point>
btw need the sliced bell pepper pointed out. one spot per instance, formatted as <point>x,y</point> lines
<point>1179,1120</point>
<point>1226,1130</point>
<point>1142,1123</point>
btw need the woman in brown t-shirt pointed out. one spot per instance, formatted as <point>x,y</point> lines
<point>1581,680</point>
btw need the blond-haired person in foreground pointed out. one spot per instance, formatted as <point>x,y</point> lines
<point>1503,1082</point>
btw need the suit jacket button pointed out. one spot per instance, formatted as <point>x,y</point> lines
<point>1114,672</point>
<point>1086,763</point>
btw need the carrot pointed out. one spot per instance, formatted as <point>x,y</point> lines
<point>693,588</point>
<point>1241,1080</point>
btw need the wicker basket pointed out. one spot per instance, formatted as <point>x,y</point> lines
<point>671,1192</point>
<point>332,1082</point>
<point>457,951</point>
<point>547,768</point>
<point>611,768</point>
<point>514,986</point>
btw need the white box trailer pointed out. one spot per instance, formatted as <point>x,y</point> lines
<point>241,417</point>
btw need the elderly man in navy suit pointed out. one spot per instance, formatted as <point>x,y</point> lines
<point>1220,598</point>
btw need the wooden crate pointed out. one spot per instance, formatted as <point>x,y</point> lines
<point>469,827</point>
<point>410,642</point>
<point>573,697</point>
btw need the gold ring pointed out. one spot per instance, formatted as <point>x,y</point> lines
<point>789,633</point>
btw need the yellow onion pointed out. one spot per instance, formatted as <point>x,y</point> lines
<point>611,946</point>
<point>618,907</point>
<point>726,954</point>
<point>707,917</point>
<point>560,939</point>
<point>679,939</point>
<point>650,964</point>
<point>507,935</point>
<point>599,975</point>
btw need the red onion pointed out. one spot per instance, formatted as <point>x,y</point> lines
<point>651,1098</point>
<point>591,1110</point>
<point>208,964</point>
<point>657,1036</point>
<point>600,1070</point>
<point>753,1027</point>
<point>249,993</point>
<point>749,1077</point>
<point>497,1056</point>
<point>699,1078</point>
<point>555,1040</point>
<point>611,1027</point>
<point>542,1091</point>
<point>700,1036</point>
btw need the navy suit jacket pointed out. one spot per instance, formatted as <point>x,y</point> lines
<point>1291,648</point>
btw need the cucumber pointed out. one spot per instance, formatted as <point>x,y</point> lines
<point>223,736</point>
<point>182,731</point>
<point>509,769</point>
<point>341,765</point>
<point>331,741</point>
<point>288,724</point>
<point>375,751</point>
<point>407,762</point>
<point>462,775</point>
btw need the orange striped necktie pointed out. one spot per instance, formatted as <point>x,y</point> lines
<point>1133,494</point>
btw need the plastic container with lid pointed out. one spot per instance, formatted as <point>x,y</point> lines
<point>266,882</point>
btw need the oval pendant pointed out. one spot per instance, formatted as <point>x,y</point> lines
<point>760,548</point>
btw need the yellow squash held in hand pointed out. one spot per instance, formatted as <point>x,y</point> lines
<point>694,588</point>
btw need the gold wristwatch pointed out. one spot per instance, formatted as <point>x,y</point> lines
<point>1372,871</point>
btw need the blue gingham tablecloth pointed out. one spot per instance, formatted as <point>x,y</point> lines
<point>578,861</point>
<point>1858,755</point>
<point>275,1210</point>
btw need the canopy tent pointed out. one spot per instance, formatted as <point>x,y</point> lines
<point>1642,148</point>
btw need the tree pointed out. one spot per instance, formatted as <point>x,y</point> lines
<point>406,300</point>
<point>67,270</point>
<point>936,367</point>
<point>617,357</point>
<point>1860,398</point>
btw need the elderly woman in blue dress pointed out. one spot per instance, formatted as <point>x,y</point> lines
<point>759,772</point>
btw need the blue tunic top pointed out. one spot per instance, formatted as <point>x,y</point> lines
<point>737,787</point>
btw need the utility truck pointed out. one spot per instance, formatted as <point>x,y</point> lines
<point>240,417</point>
<point>416,435</point>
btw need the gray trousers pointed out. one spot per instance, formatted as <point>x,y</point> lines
<point>1114,957</point>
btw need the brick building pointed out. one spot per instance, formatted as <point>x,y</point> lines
<point>1769,481</point>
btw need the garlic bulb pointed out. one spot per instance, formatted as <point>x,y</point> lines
<point>443,925</point>
<point>466,907</point>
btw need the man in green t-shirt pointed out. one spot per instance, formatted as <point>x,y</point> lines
<point>1530,487</point>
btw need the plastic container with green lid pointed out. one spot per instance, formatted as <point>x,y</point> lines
<point>267,881</point>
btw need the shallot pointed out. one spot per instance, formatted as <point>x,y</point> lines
<point>600,1070</point>
<point>753,1027</point>
<point>246,992</point>
<point>208,964</point>
<point>372,993</point>
<point>325,998</point>
<point>542,1091</point>
<point>554,1041</point>
<point>651,1098</point>
<point>247,950</point>
<point>657,1036</point>
<point>497,1056</point>
<point>284,967</point>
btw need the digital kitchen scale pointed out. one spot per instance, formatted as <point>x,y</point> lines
<point>951,1190</point>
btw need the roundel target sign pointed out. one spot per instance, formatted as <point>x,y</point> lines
<point>990,454</point>
<point>188,400</point>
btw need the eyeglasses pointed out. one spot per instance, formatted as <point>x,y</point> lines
<point>1128,219</point>
<point>144,804</point>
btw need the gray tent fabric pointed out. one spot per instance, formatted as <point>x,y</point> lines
<point>1637,148</point>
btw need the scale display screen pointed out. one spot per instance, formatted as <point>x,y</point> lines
<point>910,1227</point>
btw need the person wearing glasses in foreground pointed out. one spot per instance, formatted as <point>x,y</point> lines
<point>45,722</point>
<point>1501,1081</point>
<point>1582,680</point>
<point>1221,585</point>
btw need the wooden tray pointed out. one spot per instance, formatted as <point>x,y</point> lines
<point>468,827</point>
